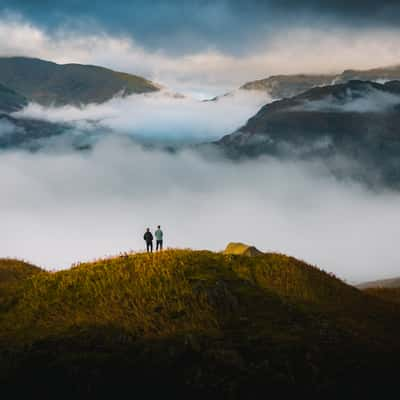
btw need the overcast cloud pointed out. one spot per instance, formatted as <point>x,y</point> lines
<point>208,71</point>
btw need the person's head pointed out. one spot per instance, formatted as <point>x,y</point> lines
<point>148,230</point>
<point>158,226</point>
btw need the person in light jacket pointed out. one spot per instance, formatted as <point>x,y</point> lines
<point>159,238</point>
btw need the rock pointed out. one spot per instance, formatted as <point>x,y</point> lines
<point>242,249</point>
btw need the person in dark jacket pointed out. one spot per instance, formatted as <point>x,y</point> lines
<point>148,237</point>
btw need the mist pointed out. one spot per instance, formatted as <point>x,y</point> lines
<point>75,206</point>
<point>161,117</point>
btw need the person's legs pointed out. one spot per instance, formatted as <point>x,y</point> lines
<point>161,243</point>
<point>151,246</point>
<point>148,246</point>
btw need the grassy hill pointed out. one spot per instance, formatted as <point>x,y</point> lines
<point>12,270</point>
<point>13,274</point>
<point>195,323</point>
<point>49,83</point>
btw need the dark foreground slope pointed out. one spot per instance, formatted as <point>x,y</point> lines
<point>195,324</point>
<point>49,83</point>
<point>386,289</point>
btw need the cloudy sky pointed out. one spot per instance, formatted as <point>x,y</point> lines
<point>205,47</point>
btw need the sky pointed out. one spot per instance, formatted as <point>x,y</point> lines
<point>205,48</point>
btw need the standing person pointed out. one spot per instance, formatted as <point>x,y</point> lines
<point>148,237</point>
<point>159,237</point>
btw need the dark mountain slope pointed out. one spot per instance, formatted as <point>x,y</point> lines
<point>196,323</point>
<point>358,120</point>
<point>17,132</point>
<point>48,83</point>
<point>11,101</point>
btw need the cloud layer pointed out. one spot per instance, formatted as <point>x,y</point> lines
<point>227,25</point>
<point>63,208</point>
<point>159,117</point>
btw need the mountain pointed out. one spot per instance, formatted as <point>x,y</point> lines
<point>27,132</point>
<point>376,74</point>
<point>284,86</point>
<point>196,323</point>
<point>358,120</point>
<point>11,101</point>
<point>49,83</point>
<point>385,283</point>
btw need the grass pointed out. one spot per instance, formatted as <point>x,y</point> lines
<point>209,323</point>
<point>387,294</point>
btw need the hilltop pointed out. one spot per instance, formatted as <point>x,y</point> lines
<point>13,274</point>
<point>12,270</point>
<point>48,83</point>
<point>195,323</point>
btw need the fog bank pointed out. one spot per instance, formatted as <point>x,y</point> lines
<point>69,207</point>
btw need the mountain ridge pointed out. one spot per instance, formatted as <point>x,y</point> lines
<point>284,86</point>
<point>49,83</point>
<point>357,120</point>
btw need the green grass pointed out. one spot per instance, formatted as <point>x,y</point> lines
<point>207,322</point>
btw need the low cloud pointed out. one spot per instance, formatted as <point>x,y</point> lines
<point>69,207</point>
<point>159,117</point>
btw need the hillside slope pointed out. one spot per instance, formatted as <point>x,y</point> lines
<point>49,83</point>
<point>195,323</point>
